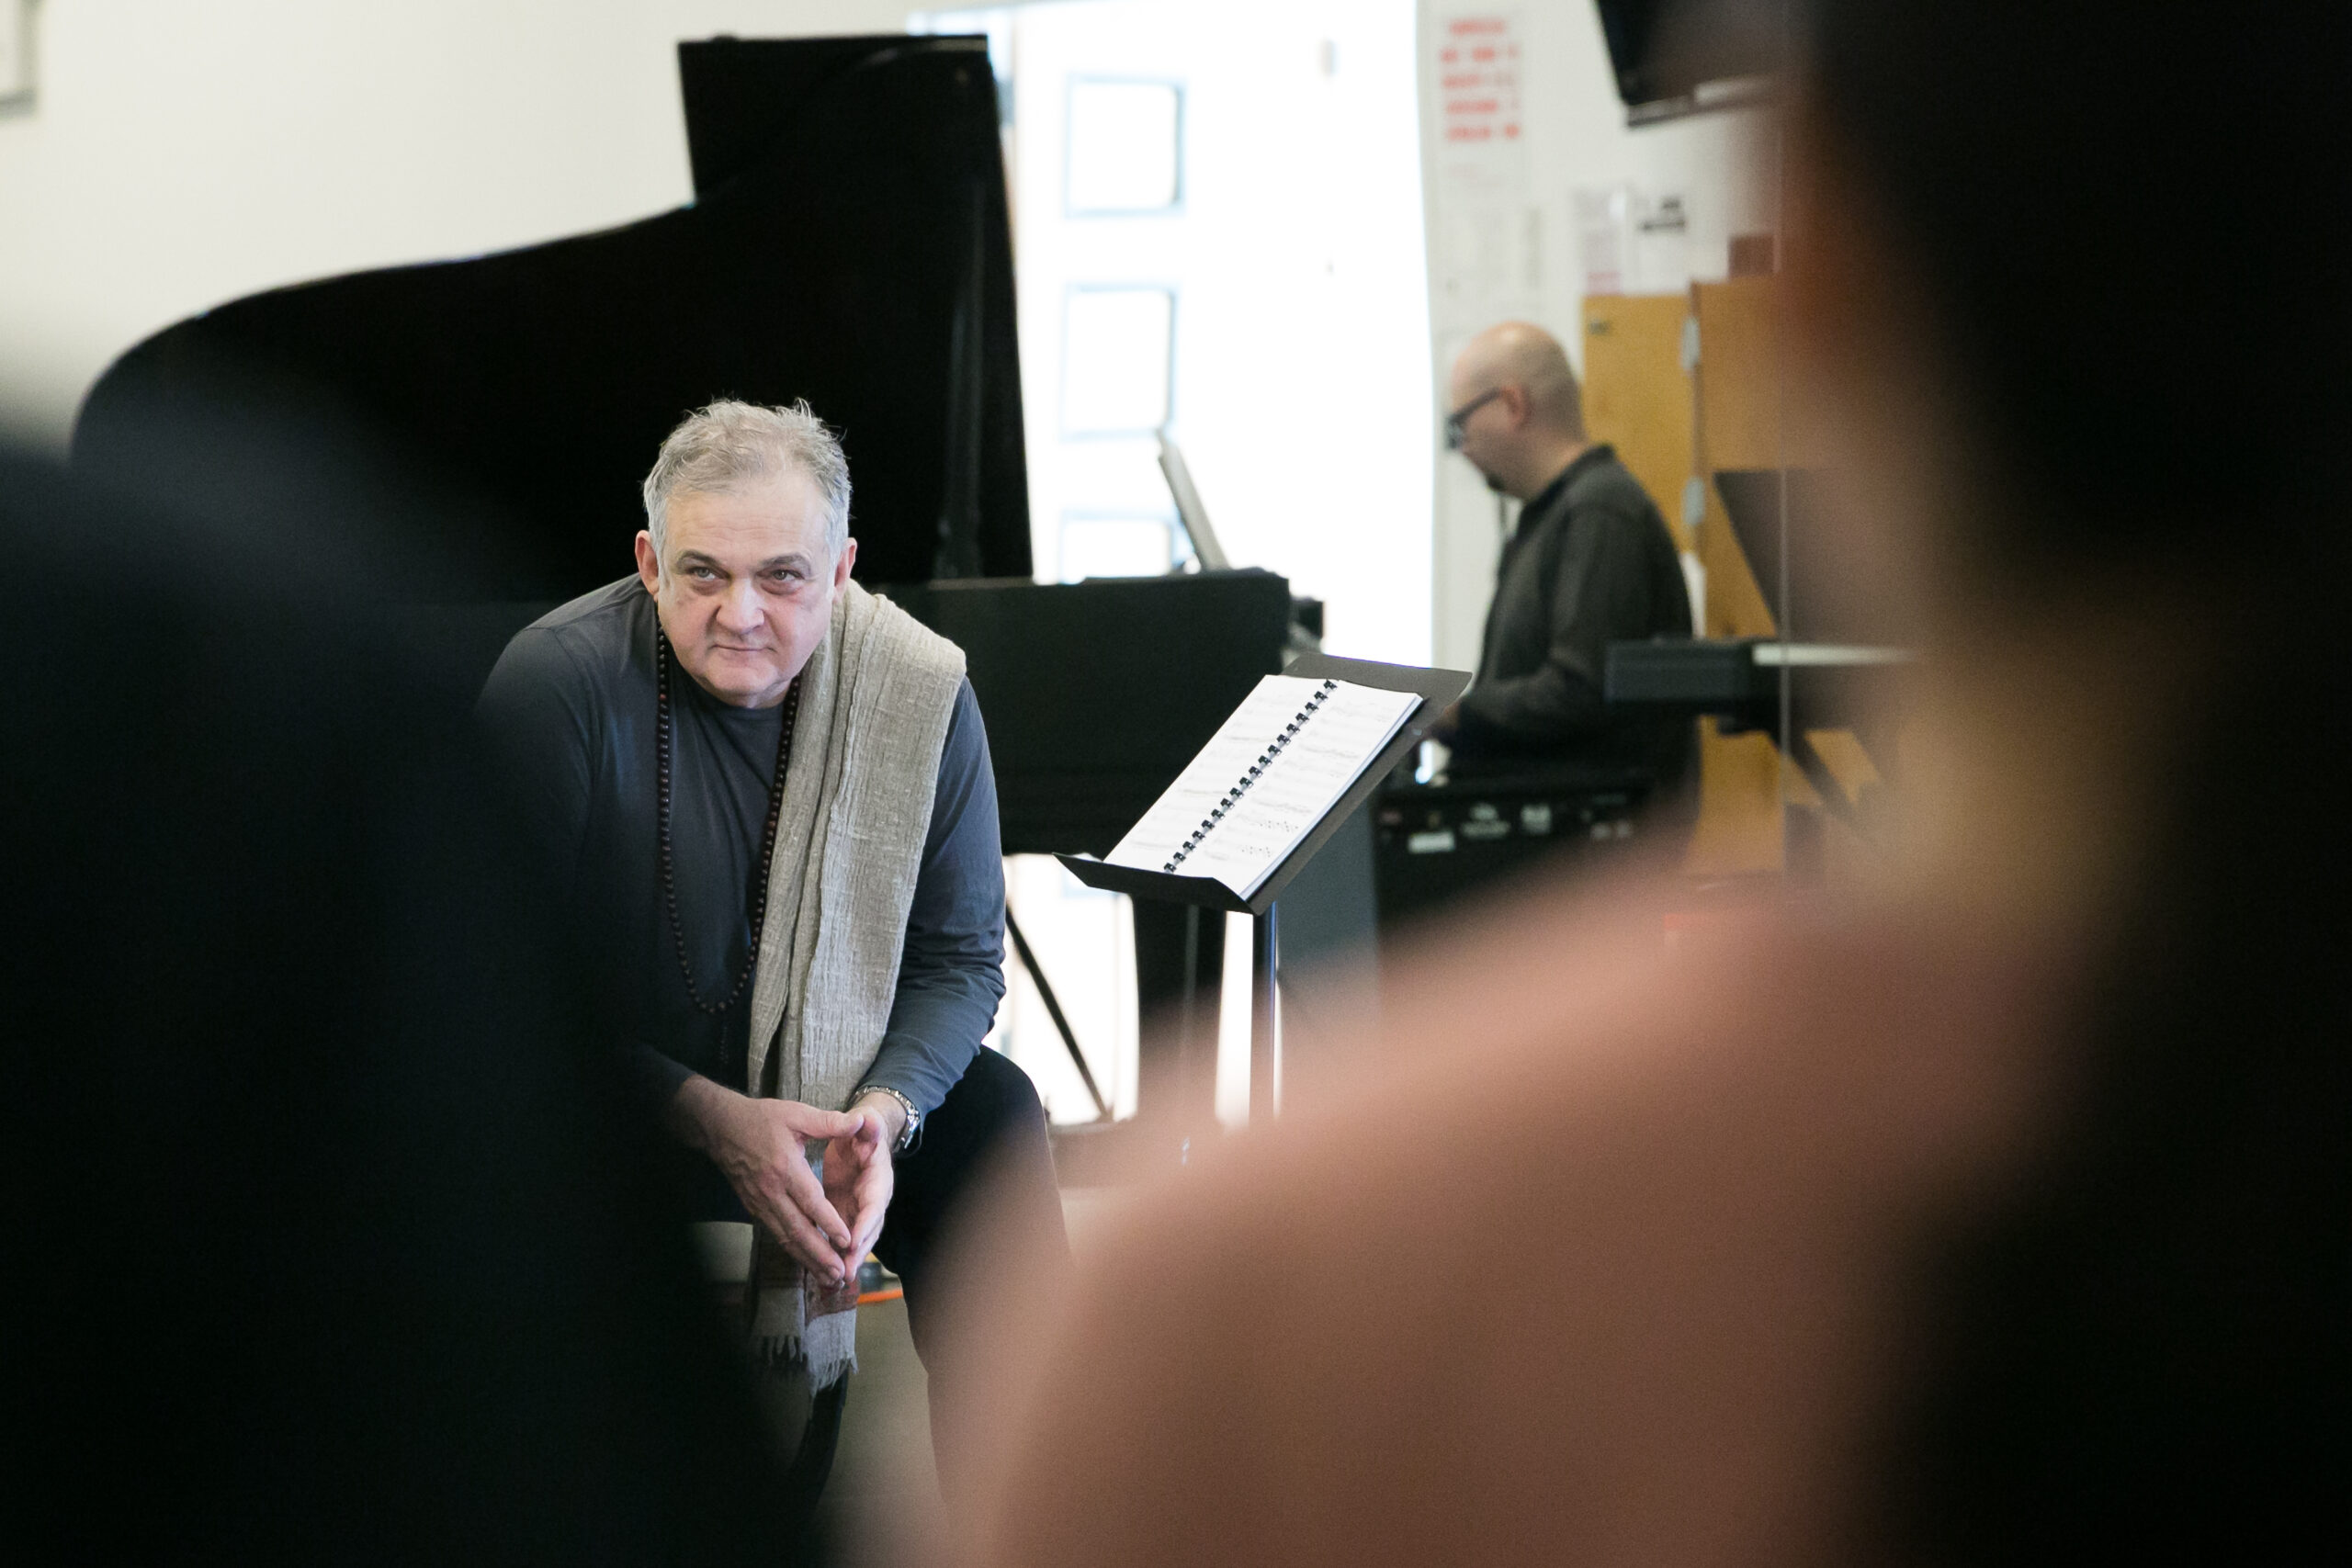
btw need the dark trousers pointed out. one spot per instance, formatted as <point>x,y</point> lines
<point>989,1126</point>
<point>991,1120</point>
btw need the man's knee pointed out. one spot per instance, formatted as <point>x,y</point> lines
<point>993,1080</point>
<point>992,1109</point>
<point>990,1128</point>
<point>994,1099</point>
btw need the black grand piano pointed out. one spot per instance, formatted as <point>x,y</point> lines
<point>487,422</point>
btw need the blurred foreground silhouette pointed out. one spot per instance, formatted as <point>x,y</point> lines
<point>326,1244</point>
<point>1996,1214</point>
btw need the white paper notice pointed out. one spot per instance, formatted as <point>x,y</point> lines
<point>1265,779</point>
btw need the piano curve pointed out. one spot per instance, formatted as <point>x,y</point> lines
<point>847,244</point>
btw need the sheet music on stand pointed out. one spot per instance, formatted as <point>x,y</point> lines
<point>1271,772</point>
<point>1369,716</point>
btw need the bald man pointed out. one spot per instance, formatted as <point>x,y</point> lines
<point>1591,562</point>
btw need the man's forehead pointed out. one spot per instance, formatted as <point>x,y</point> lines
<point>753,522</point>
<point>1475,363</point>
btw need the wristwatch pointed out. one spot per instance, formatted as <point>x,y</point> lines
<point>914,1118</point>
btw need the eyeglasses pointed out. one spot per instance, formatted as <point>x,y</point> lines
<point>1461,417</point>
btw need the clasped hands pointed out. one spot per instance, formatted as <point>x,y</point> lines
<point>761,1145</point>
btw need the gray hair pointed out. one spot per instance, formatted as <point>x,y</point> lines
<point>728,444</point>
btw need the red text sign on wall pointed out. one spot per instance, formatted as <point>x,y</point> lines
<point>1477,74</point>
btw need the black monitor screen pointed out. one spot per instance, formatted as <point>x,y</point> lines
<point>1667,55</point>
<point>1629,25</point>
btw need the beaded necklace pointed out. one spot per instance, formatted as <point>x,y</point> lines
<point>758,905</point>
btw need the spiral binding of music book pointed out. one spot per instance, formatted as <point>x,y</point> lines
<point>1241,786</point>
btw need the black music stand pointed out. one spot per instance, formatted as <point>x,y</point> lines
<point>1437,689</point>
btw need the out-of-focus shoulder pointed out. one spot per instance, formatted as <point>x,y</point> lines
<point>603,613</point>
<point>570,653</point>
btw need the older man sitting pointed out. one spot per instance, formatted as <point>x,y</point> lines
<point>767,798</point>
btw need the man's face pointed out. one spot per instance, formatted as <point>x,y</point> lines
<point>746,590</point>
<point>1490,424</point>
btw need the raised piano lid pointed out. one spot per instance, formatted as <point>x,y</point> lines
<point>847,244</point>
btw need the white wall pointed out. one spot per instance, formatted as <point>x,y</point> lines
<point>1502,232</point>
<point>182,154</point>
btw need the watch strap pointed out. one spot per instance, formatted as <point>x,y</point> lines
<point>914,1117</point>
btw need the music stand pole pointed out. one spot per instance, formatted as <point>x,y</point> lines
<point>1265,1015</point>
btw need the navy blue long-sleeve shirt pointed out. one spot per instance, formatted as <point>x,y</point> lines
<point>571,708</point>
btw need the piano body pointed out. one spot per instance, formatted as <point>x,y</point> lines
<point>848,244</point>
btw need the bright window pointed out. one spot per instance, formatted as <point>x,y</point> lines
<point>1124,147</point>
<point>1115,547</point>
<point>1118,349</point>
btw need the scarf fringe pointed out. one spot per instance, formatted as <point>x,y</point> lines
<point>783,1335</point>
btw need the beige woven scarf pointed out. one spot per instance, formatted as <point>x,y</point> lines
<point>875,702</point>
